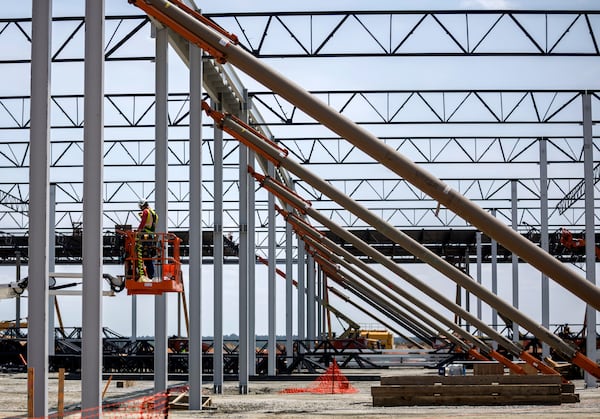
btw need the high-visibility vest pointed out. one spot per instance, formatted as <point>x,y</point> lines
<point>151,220</point>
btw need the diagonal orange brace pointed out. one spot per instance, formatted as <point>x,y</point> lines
<point>539,365</point>
<point>167,21</point>
<point>507,362</point>
<point>477,355</point>
<point>586,364</point>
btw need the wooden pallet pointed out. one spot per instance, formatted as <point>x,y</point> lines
<point>472,390</point>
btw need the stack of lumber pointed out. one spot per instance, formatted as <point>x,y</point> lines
<point>473,390</point>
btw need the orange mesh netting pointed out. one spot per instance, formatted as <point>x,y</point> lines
<point>153,406</point>
<point>331,382</point>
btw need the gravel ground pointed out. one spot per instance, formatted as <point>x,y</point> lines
<point>265,400</point>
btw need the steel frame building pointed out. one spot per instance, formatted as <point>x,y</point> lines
<point>499,131</point>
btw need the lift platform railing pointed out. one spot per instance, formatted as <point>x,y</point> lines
<point>162,250</point>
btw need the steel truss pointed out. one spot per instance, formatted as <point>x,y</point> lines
<point>410,33</point>
<point>130,115</point>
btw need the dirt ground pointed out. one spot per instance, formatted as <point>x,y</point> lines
<point>265,400</point>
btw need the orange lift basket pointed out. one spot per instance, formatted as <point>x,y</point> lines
<point>156,247</point>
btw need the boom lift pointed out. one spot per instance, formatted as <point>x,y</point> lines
<point>567,240</point>
<point>168,268</point>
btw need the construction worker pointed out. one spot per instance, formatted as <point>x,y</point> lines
<point>144,245</point>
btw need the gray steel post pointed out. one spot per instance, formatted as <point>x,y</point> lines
<point>160,192</point>
<point>272,288</point>
<point>244,256</point>
<point>51,265</point>
<point>195,258</point>
<point>514,257</point>
<point>494,267</point>
<point>37,303</point>
<point>218,262</point>
<point>289,290</point>
<point>385,154</point>
<point>251,264</point>
<point>320,307</point>
<point>310,298</point>
<point>18,297</point>
<point>590,243</point>
<point>134,318</point>
<point>479,273</point>
<point>301,266</point>
<point>544,236</point>
<point>93,150</point>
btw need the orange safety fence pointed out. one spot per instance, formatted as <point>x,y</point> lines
<point>331,382</point>
<point>150,406</point>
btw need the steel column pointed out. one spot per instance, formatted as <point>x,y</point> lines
<point>494,267</point>
<point>37,303</point>
<point>134,318</point>
<point>93,150</point>
<point>310,297</point>
<point>18,297</point>
<point>244,262</point>
<point>289,290</point>
<point>514,257</point>
<point>590,228</point>
<point>218,261</point>
<point>479,273</point>
<point>251,262</point>
<point>195,267</point>
<point>320,307</point>
<point>160,193</point>
<point>544,236</point>
<point>51,265</point>
<point>301,265</point>
<point>271,286</point>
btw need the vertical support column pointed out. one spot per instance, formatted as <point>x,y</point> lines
<point>195,268</point>
<point>272,289</point>
<point>494,256</point>
<point>218,260</point>
<point>310,298</point>
<point>160,193</point>
<point>93,150</point>
<point>544,236</point>
<point>319,303</point>
<point>289,290</point>
<point>251,263</point>
<point>51,265</point>
<point>301,265</point>
<point>514,257</point>
<point>590,243</point>
<point>37,338</point>
<point>18,297</point>
<point>467,293</point>
<point>243,266</point>
<point>133,318</point>
<point>479,257</point>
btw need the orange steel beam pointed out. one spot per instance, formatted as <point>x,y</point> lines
<point>172,24</point>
